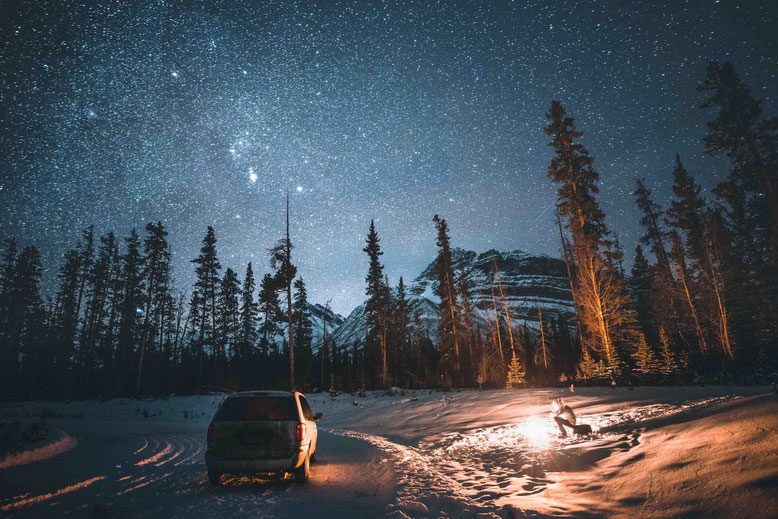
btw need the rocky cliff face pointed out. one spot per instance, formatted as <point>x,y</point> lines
<point>533,286</point>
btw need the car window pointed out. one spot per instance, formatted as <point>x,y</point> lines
<point>256,409</point>
<point>306,408</point>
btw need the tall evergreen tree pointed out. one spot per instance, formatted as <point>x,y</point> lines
<point>375,348</point>
<point>131,305</point>
<point>285,272</point>
<point>248,319</point>
<point>229,312</point>
<point>156,266</point>
<point>640,289</point>
<point>23,330</point>
<point>603,302</point>
<point>750,140</point>
<point>402,326</point>
<point>270,308</point>
<point>445,288</point>
<point>207,271</point>
<point>303,332</point>
<point>67,315</point>
<point>29,321</point>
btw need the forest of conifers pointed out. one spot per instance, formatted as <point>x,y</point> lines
<point>699,304</point>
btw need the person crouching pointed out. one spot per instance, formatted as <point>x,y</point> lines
<point>565,417</point>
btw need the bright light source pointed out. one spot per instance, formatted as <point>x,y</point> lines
<point>536,432</point>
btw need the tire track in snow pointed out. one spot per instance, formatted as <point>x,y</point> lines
<point>156,457</point>
<point>50,495</point>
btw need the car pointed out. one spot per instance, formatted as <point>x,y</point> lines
<point>262,432</point>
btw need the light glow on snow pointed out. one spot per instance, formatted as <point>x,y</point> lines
<point>537,432</point>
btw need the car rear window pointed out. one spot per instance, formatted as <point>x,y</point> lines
<point>256,409</point>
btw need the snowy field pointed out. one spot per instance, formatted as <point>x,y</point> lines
<point>656,452</point>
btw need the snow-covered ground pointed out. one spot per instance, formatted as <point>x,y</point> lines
<point>656,452</point>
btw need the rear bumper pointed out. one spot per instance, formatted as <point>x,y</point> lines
<point>243,465</point>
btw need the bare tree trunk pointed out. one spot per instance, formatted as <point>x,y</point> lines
<point>289,297</point>
<point>489,322</point>
<point>722,319</point>
<point>505,307</point>
<point>497,322</point>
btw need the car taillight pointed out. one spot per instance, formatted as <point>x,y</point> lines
<point>301,430</point>
<point>210,433</point>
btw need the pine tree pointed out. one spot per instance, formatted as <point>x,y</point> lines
<point>749,139</point>
<point>98,306</point>
<point>29,320</point>
<point>67,316</point>
<point>131,304</point>
<point>377,292</point>
<point>516,373</point>
<point>591,370</point>
<point>602,300</point>
<point>402,326</point>
<point>115,294</point>
<point>156,258</point>
<point>7,360</point>
<point>248,318</point>
<point>661,277</point>
<point>646,363</point>
<point>23,331</point>
<point>207,271</point>
<point>640,289</point>
<point>229,313</point>
<point>445,288</point>
<point>303,332</point>
<point>285,272</point>
<point>668,366</point>
<point>270,308</point>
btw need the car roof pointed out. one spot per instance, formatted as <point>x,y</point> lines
<point>261,393</point>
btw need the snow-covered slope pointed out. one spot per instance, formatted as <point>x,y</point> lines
<point>533,286</point>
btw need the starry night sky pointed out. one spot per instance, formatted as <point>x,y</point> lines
<point>205,113</point>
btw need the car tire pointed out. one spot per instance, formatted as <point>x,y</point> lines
<point>214,478</point>
<point>303,472</point>
<point>313,456</point>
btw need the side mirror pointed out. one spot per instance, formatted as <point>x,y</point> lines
<point>318,416</point>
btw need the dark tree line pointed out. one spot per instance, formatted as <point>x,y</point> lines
<point>117,325</point>
<point>700,303</point>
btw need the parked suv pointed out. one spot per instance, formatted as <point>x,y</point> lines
<point>262,431</point>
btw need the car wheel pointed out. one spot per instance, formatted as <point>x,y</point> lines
<point>302,473</point>
<point>214,478</point>
<point>313,456</point>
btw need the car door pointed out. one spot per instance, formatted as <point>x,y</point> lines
<point>309,421</point>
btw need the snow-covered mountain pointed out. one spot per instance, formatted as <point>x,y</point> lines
<point>532,285</point>
<point>317,313</point>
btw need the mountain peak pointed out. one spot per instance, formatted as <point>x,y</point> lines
<point>532,285</point>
